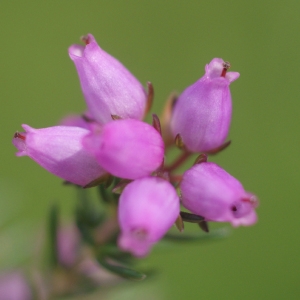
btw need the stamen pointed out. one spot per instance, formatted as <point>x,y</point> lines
<point>226,66</point>
<point>18,135</point>
<point>252,200</point>
<point>85,39</point>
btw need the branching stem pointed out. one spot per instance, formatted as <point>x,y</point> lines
<point>178,162</point>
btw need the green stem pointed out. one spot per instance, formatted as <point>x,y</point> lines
<point>178,162</point>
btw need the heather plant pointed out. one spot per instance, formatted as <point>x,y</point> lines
<point>111,148</point>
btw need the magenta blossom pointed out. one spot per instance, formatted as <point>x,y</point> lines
<point>209,191</point>
<point>13,286</point>
<point>108,87</point>
<point>202,113</point>
<point>148,207</point>
<point>59,150</point>
<point>68,242</point>
<point>126,148</point>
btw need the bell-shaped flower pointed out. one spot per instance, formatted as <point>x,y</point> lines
<point>13,286</point>
<point>209,191</point>
<point>128,149</point>
<point>148,207</point>
<point>202,113</point>
<point>68,245</point>
<point>59,150</point>
<point>108,87</point>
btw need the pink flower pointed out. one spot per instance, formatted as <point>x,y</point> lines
<point>59,150</point>
<point>68,241</point>
<point>202,113</point>
<point>13,286</point>
<point>126,148</point>
<point>148,207</point>
<point>209,191</point>
<point>108,87</point>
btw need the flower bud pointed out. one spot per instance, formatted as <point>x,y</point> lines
<point>128,149</point>
<point>202,113</point>
<point>68,241</point>
<point>13,286</point>
<point>108,87</point>
<point>148,207</point>
<point>59,150</point>
<point>209,191</point>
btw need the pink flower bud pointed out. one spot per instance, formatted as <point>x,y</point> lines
<point>59,150</point>
<point>13,286</point>
<point>108,87</point>
<point>202,113</point>
<point>68,241</point>
<point>148,207</point>
<point>209,191</point>
<point>126,148</point>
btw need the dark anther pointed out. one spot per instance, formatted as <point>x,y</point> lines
<point>85,39</point>
<point>19,136</point>
<point>226,66</point>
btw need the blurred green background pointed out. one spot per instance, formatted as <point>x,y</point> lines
<point>167,43</point>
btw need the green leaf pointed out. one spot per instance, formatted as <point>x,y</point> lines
<point>219,149</point>
<point>85,233</point>
<point>123,271</point>
<point>213,235</point>
<point>179,142</point>
<point>118,188</point>
<point>105,179</point>
<point>200,159</point>
<point>52,229</point>
<point>103,193</point>
<point>86,211</point>
<point>106,194</point>
<point>179,223</point>
<point>112,251</point>
<point>191,218</point>
<point>156,123</point>
<point>204,226</point>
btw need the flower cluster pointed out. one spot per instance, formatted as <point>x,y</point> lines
<point>111,139</point>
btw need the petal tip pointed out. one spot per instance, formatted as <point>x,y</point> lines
<point>76,51</point>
